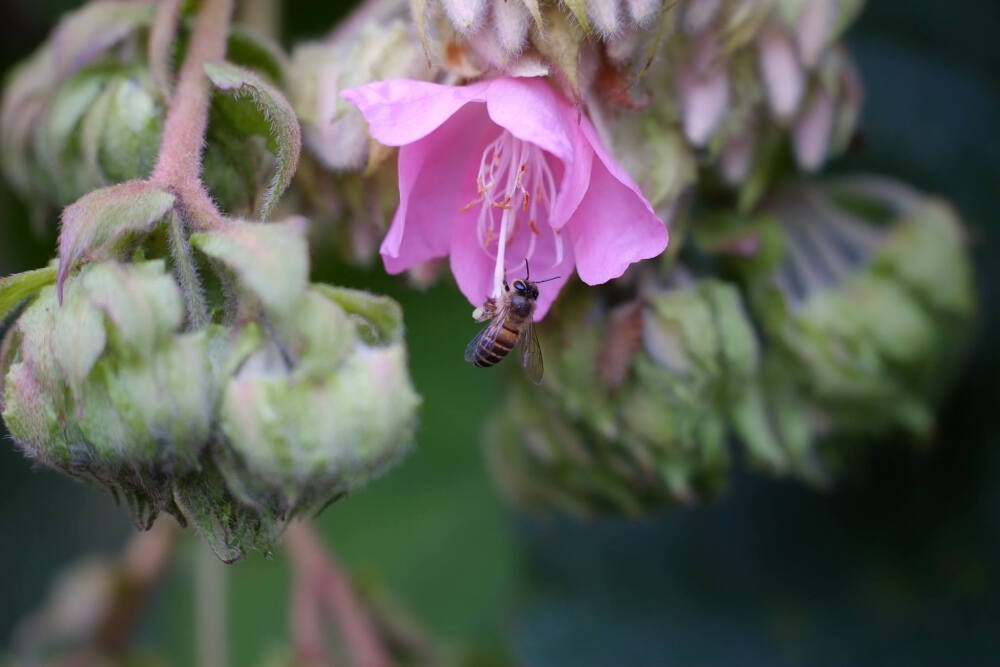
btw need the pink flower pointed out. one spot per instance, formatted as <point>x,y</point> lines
<point>505,159</point>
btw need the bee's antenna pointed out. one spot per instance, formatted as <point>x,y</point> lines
<point>539,282</point>
<point>527,270</point>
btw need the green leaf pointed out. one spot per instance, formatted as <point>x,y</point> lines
<point>84,35</point>
<point>561,43</point>
<point>283,133</point>
<point>100,223</point>
<point>536,13</point>
<point>271,261</point>
<point>258,53</point>
<point>379,319</point>
<point>18,287</point>
<point>418,10</point>
<point>579,10</point>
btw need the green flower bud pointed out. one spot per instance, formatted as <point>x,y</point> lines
<point>335,131</point>
<point>866,303</point>
<point>105,387</point>
<point>66,110</point>
<point>633,412</point>
<point>315,399</point>
<point>101,126</point>
<point>83,112</point>
<point>350,184</point>
<point>308,435</point>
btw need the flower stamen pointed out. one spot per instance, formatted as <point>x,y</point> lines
<point>510,172</point>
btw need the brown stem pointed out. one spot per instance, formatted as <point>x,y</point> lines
<point>144,560</point>
<point>178,166</point>
<point>318,575</point>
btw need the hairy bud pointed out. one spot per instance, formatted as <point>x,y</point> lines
<point>633,412</point>
<point>83,112</point>
<point>288,397</point>
<point>106,387</point>
<point>865,291</point>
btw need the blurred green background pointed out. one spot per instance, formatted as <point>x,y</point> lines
<point>899,564</point>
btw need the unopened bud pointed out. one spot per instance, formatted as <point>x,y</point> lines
<point>104,387</point>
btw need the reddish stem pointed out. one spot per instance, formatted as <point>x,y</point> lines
<point>179,164</point>
<point>146,557</point>
<point>318,576</point>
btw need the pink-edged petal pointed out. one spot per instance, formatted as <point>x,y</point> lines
<point>471,266</point>
<point>614,225</point>
<point>530,110</point>
<point>435,183</point>
<point>402,111</point>
<point>545,265</point>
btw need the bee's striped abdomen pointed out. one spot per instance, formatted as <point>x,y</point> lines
<point>495,344</point>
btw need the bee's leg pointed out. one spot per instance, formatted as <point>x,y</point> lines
<point>487,311</point>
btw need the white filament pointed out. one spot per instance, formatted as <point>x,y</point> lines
<point>516,180</point>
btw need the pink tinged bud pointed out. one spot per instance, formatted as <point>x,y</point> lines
<point>699,13</point>
<point>604,16</point>
<point>511,21</point>
<point>784,79</point>
<point>812,132</point>
<point>704,101</point>
<point>704,90</point>
<point>813,30</point>
<point>737,156</point>
<point>465,15</point>
<point>643,11</point>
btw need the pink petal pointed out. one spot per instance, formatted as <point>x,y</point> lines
<point>614,225</point>
<point>402,111</point>
<point>473,268</point>
<point>543,267</point>
<point>530,110</point>
<point>435,183</point>
<point>545,264</point>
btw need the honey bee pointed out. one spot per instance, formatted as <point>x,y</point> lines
<point>509,325</point>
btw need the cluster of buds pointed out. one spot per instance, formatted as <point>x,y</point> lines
<point>865,296</point>
<point>859,300</point>
<point>86,110</point>
<point>728,85</point>
<point>348,180</point>
<point>671,87</point>
<point>180,356</point>
<point>293,396</point>
<point>632,412</point>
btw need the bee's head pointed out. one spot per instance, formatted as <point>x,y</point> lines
<point>526,289</point>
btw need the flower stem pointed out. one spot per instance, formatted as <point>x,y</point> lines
<point>187,273</point>
<point>144,560</point>
<point>318,575</point>
<point>210,609</point>
<point>178,166</point>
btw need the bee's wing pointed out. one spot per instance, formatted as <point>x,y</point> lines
<point>470,349</point>
<point>489,332</point>
<point>531,353</point>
